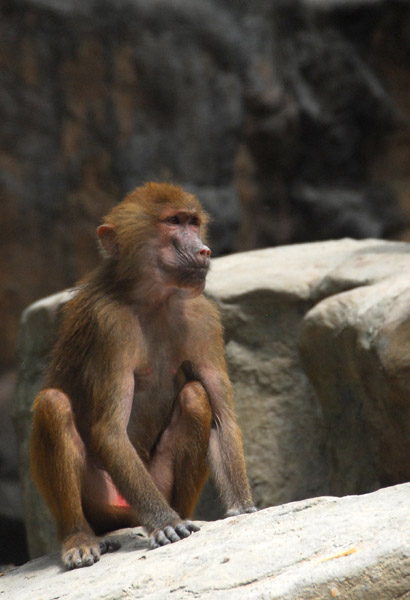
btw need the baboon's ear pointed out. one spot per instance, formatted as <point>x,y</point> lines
<point>108,240</point>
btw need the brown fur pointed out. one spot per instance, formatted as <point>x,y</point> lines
<point>137,401</point>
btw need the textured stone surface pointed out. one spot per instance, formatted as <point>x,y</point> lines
<point>356,351</point>
<point>37,333</point>
<point>318,351</point>
<point>354,547</point>
<point>318,348</point>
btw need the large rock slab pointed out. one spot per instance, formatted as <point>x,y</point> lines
<point>355,547</point>
<point>355,346</point>
<point>37,334</point>
<point>319,356</point>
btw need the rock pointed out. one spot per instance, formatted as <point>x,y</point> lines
<point>354,547</point>
<point>355,345</point>
<point>317,353</point>
<point>317,350</point>
<point>37,333</point>
<point>366,213</point>
<point>321,102</point>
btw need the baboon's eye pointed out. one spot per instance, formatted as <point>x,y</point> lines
<point>173,220</point>
<point>194,221</point>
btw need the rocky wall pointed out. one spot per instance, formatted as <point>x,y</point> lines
<point>288,119</point>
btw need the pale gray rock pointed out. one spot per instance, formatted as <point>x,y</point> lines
<point>317,344</point>
<point>350,548</point>
<point>37,333</point>
<point>305,432</point>
<point>355,345</point>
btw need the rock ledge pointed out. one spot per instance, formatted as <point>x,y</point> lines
<point>352,547</point>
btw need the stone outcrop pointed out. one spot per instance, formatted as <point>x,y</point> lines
<point>354,547</point>
<point>319,356</point>
<point>355,346</point>
<point>37,334</point>
<point>317,344</point>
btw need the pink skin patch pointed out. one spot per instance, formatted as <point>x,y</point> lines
<point>120,501</point>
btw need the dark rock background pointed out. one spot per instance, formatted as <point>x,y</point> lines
<point>289,119</point>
